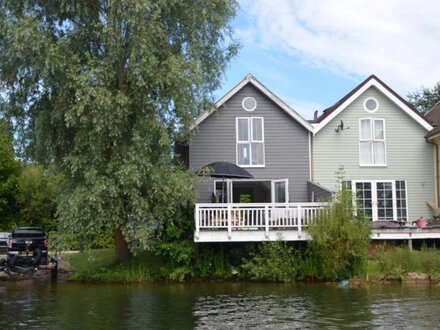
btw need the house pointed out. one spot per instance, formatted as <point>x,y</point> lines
<point>253,128</point>
<point>375,135</point>
<point>379,139</point>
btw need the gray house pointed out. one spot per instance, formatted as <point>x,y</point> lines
<point>254,129</point>
<point>379,139</point>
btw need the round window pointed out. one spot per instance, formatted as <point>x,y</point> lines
<point>371,104</point>
<point>249,104</point>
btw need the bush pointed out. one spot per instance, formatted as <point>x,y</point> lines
<point>274,261</point>
<point>340,239</point>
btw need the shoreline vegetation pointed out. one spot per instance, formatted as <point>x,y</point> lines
<point>387,265</point>
<point>340,251</point>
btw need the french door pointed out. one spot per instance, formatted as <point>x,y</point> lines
<point>381,199</point>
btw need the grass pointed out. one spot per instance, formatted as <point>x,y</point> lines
<point>99,266</point>
<point>396,263</point>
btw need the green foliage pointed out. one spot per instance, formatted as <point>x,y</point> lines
<point>212,263</point>
<point>9,169</point>
<point>274,261</point>
<point>340,240</point>
<point>36,194</point>
<point>104,90</point>
<point>245,198</point>
<point>394,264</point>
<point>425,98</point>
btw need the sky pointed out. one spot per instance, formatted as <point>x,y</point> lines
<point>311,53</point>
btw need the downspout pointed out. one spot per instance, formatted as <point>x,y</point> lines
<point>436,170</point>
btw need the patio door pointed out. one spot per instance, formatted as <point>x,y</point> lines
<point>381,199</point>
<point>280,191</point>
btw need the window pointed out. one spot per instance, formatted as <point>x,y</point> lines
<point>371,104</point>
<point>249,104</point>
<point>250,141</point>
<point>381,200</point>
<point>372,148</point>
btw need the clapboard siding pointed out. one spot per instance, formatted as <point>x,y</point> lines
<point>286,144</point>
<point>409,157</point>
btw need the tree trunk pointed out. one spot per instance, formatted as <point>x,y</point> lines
<point>122,252</point>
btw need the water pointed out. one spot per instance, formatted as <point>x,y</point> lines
<point>30,304</point>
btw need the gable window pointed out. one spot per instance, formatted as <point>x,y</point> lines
<point>372,144</point>
<point>250,141</point>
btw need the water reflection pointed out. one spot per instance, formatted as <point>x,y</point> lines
<point>29,304</point>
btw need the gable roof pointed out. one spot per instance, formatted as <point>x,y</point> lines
<point>372,80</point>
<point>433,115</point>
<point>249,79</point>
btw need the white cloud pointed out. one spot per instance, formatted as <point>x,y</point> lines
<point>306,109</point>
<point>398,40</point>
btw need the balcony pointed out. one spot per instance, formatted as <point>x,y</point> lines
<point>253,222</point>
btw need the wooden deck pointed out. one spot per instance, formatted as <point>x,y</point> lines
<point>269,222</point>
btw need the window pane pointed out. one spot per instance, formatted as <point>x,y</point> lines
<point>257,154</point>
<point>379,153</point>
<point>366,155</point>
<point>243,154</point>
<point>243,130</point>
<point>365,129</point>
<point>280,192</point>
<point>379,130</point>
<point>257,129</point>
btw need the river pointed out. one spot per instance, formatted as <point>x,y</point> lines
<point>31,304</point>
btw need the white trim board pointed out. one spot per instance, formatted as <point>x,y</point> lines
<point>251,79</point>
<point>386,92</point>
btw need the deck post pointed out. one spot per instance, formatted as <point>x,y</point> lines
<point>197,217</point>
<point>266,220</point>
<point>299,220</point>
<point>229,220</point>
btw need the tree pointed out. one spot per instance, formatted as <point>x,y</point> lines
<point>36,194</point>
<point>103,89</point>
<point>9,168</point>
<point>425,98</point>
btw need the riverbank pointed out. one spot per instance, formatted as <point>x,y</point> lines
<point>392,265</point>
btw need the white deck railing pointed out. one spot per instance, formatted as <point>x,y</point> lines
<point>253,216</point>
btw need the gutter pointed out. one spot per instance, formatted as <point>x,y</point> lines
<point>437,176</point>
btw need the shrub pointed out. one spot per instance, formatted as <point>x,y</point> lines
<point>340,239</point>
<point>274,261</point>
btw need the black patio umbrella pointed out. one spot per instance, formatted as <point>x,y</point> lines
<point>225,170</point>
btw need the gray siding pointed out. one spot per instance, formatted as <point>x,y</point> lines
<point>409,157</point>
<point>286,144</point>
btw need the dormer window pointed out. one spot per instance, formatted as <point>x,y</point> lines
<point>250,141</point>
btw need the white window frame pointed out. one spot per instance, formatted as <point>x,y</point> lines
<point>286,185</point>
<point>249,141</point>
<point>374,196</point>
<point>372,140</point>
<point>229,185</point>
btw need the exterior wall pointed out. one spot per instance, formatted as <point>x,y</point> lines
<point>409,157</point>
<point>286,144</point>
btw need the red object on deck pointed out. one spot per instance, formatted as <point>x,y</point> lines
<point>421,223</point>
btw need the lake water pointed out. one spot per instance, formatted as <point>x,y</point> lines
<point>29,304</point>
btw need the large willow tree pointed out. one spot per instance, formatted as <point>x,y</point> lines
<point>103,89</point>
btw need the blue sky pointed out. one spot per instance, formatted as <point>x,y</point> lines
<point>312,52</point>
